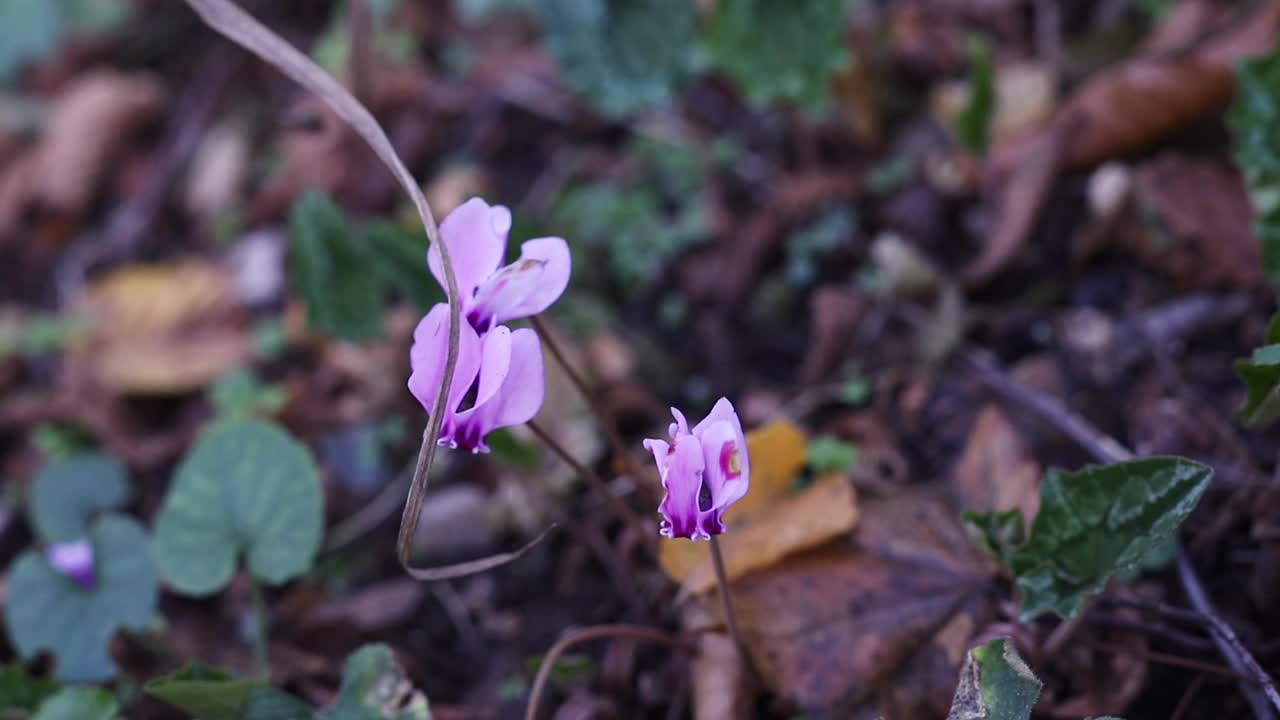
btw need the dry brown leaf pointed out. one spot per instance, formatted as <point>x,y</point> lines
<point>1183,73</point>
<point>843,628</point>
<point>87,125</point>
<point>1205,208</point>
<point>376,607</point>
<point>162,329</point>
<point>722,687</point>
<point>997,470</point>
<point>778,451</point>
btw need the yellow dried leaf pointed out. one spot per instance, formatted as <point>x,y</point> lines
<point>161,329</point>
<point>824,510</point>
<point>778,451</point>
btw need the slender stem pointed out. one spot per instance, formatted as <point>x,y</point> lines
<point>638,632</point>
<point>261,630</point>
<point>726,602</point>
<point>606,422</point>
<point>628,515</point>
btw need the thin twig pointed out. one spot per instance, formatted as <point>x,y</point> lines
<point>606,422</point>
<point>638,632</point>
<point>628,515</point>
<point>1187,697</point>
<point>261,631</point>
<point>1106,449</point>
<point>1237,655</point>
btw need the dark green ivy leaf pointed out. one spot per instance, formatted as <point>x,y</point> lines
<point>1100,520</point>
<point>998,532</point>
<point>1261,376</point>
<point>1255,126</point>
<point>333,270</point>
<point>20,691</point>
<point>375,687</point>
<point>995,684</point>
<point>622,55</point>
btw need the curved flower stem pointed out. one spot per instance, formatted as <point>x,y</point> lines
<point>261,631</point>
<point>628,515</point>
<point>615,440</point>
<point>638,632</point>
<point>726,603</point>
<point>234,23</point>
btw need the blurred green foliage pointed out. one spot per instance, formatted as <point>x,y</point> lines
<point>622,55</point>
<point>780,50</point>
<point>973,123</point>
<point>1255,125</point>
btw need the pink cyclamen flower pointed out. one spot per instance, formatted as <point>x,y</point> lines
<point>703,470</point>
<point>74,560</point>
<point>476,234</point>
<point>504,366</point>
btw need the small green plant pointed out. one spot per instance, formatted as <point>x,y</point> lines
<point>973,123</point>
<point>74,615</point>
<point>829,454</point>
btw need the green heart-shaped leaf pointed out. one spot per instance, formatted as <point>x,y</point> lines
<point>249,487</point>
<point>343,293</point>
<point>66,492</point>
<point>1100,520</point>
<point>995,684</point>
<point>79,703</point>
<point>205,692</point>
<point>49,611</point>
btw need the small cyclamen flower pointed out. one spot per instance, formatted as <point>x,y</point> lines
<point>74,560</point>
<point>476,234</point>
<point>505,366</point>
<point>703,470</point>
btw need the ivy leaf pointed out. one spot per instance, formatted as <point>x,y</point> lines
<point>49,611</point>
<point>249,487</point>
<point>1255,124</point>
<point>780,49</point>
<point>240,394</point>
<point>622,55</point>
<point>375,687</point>
<point>272,704</point>
<point>1261,376</point>
<point>1100,520</point>
<point>343,296</point>
<point>20,691</point>
<point>995,684</point>
<point>66,492</point>
<point>205,692</point>
<point>79,703</point>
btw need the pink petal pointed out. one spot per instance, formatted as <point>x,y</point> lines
<point>430,351</point>
<point>683,483</point>
<point>551,256</point>
<point>723,412</point>
<point>680,426</point>
<point>518,395</point>
<point>476,234</point>
<point>661,453</point>
<point>724,456</point>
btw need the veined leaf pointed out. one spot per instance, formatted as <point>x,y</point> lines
<point>205,692</point>
<point>1100,520</point>
<point>995,684</point>
<point>1261,376</point>
<point>334,273</point>
<point>67,492</point>
<point>247,487</point>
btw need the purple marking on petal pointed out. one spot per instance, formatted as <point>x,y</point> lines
<point>75,561</point>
